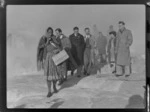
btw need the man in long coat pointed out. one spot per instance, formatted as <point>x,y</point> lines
<point>101,44</point>
<point>77,50</point>
<point>66,45</point>
<point>124,41</point>
<point>88,52</point>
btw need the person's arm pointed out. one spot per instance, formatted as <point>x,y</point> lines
<point>41,43</point>
<point>82,42</point>
<point>117,43</point>
<point>68,42</point>
<point>58,42</point>
<point>130,39</point>
<point>108,46</point>
<point>70,39</point>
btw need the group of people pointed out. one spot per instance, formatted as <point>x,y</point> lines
<point>82,52</point>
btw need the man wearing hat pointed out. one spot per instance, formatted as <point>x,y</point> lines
<point>124,41</point>
<point>77,50</point>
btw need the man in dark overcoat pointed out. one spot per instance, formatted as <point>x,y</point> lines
<point>77,50</point>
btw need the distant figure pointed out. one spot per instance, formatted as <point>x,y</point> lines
<point>88,52</point>
<point>111,29</point>
<point>101,43</point>
<point>124,41</point>
<point>66,45</point>
<point>40,53</point>
<point>50,69</point>
<point>95,37</point>
<point>111,51</point>
<point>77,50</point>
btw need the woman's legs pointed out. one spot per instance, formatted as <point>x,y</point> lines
<point>49,88</point>
<point>54,87</point>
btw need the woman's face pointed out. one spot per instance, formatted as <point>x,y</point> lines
<point>49,33</point>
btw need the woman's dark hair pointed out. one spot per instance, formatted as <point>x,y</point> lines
<point>50,28</point>
<point>59,30</point>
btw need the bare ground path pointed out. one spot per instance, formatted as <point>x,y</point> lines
<point>94,91</point>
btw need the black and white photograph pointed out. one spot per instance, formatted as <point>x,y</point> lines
<point>76,56</point>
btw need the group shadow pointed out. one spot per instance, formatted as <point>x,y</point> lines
<point>73,80</point>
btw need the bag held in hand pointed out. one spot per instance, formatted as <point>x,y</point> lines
<point>60,57</point>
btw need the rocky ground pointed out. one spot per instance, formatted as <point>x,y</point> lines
<point>94,91</point>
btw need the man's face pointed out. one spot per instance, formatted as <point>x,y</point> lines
<point>76,31</point>
<point>57,33</point>
<point>87,31</point>
<point>112,36</point>
<point>121,26</point>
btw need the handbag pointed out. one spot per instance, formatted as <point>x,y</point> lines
<point>60,57</point>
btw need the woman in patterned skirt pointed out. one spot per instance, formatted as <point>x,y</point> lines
<point>50,69</point>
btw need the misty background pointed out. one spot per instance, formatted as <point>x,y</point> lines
<point>27,23</point>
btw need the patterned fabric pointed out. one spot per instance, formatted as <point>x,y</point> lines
<point>50,70</point>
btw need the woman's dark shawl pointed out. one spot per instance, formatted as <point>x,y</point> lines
<point>40,52</point>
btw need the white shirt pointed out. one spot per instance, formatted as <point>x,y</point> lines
<point>87,36</point>
<point>61,36</point>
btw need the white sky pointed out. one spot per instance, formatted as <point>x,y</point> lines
<point>33,20</point>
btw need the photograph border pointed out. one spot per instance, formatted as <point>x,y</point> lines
<point>3,72</point>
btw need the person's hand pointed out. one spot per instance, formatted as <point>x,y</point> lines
<point>56,51</point>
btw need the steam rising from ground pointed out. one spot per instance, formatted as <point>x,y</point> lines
<point>22,51</point>
<point>21,54</point>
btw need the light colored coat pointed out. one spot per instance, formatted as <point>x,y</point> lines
<point>124,41</point>
<point>101,44</point>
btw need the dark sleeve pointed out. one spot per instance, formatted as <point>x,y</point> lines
<point>68,42</point>
<point>41,43</point>
<point>130,39</point>
<point>38,48</point>
<point>108,47</point>
<point>82,41</point>
<point>117,42</point>
<point>70,39</point>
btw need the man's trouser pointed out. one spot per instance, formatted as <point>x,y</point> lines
<point>87,60</point>
<point>102,58</point>
<point>120,69</point>
<point>71,59</point>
